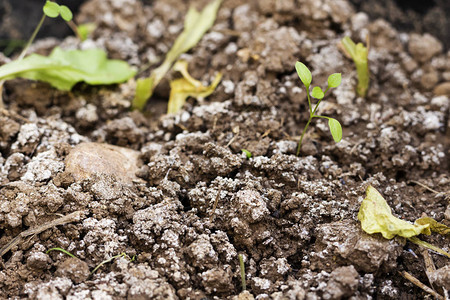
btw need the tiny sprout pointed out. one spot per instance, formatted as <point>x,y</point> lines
<point>61,250</point>
<point>334,80</point>
<point>247,153</point>
<point>359,54</point>
<point>242,269</point>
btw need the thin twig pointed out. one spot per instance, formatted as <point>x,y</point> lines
<point>424,186</point>
<point>72,217</point>
<point>215,204</point>
<point>430,268</point>
<point>416,281</point>
<point>242,268</point>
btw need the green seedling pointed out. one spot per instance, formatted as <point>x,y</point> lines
<point>359,55</point>
<point>123,254</point>
<point>63,69</point>
<point>242,267</point>
<point>247,153</point>
<point>334,80</point>
<point>51,10</point>
<point>196,24</point>
<point>62,250</point>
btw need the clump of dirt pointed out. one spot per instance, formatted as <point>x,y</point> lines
<point>167,202</point>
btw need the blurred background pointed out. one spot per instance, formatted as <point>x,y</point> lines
<point>18,18</point>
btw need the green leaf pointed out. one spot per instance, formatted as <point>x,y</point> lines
<point>334,80</point>
<point>317,93</point>
<point>66,13</point>
<point>51,9</point>
<point>63,69</point>
<point>181,89</point>
<point>376,217</point>
<point>335,129</point>
<point>304,74</point>
<point>196,24</point>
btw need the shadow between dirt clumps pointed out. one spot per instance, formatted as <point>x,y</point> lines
<point>179,195</point>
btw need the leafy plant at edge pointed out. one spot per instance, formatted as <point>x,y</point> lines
<point>195,25</point>
<point>334,80</point>
<point>63,69</point>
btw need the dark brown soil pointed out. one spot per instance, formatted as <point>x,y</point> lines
<point>178,198</point>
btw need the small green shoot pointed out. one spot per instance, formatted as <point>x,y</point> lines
<point>247,153</point>
<point>334,80</point>
<point>62,250</point>
<point>51,10</point>
<point>84,30</point>
<point>123,254</point>
<point>359,54</point>
<point>195,26</point>
<point>242,267</point>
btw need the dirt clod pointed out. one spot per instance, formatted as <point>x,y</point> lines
<point>74,269</point>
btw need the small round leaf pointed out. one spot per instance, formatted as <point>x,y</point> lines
<point>317,93</point>
<point>335,129</point>
<point>51,9</point>
<point>334,80</point>
<point>66,13</point>
<point>304,73</point>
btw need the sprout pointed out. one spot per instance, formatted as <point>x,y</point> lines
<point>334,80</point>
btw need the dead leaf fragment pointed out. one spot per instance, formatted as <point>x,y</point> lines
<point>435,226</point>
<point>376,217</point>
<point>181,89</point>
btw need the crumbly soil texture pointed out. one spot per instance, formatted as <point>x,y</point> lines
<point>157,206</point>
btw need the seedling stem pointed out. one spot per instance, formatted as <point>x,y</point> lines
<point>242,267</point>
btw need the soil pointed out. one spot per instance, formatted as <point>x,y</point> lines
<point>166,203</point>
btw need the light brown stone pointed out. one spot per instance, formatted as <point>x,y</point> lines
<point>423,47</point>
<point>429,79</point>
<point>442,89</point>
<point>88,159</point>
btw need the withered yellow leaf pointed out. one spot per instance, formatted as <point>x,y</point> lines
<point>196,24</point>
<point>376,217</point>
<point>435,226</point>
<point>181,89</point>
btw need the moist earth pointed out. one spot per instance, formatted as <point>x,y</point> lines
<point>166,203</point>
